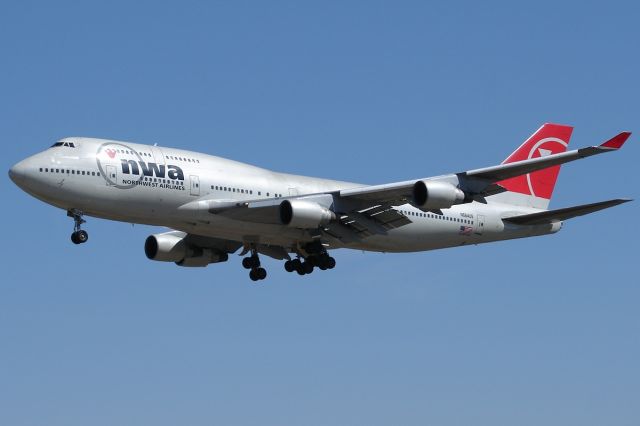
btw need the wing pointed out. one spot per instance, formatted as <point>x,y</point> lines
<point>479,181</point>
<point>506,171</point>
<point>353,213</point>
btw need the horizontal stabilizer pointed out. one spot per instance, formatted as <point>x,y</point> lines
<point>563,214</point>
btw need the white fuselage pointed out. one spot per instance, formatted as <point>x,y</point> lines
<point>151,185</point>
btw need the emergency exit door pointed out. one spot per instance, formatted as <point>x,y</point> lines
<point>195,185</point>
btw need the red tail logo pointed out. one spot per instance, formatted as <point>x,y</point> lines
<point>548,139</point>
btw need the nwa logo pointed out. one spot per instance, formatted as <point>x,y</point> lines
<point>152,169</point>
<point>134,170</point>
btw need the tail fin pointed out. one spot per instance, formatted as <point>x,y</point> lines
<point>535,189</point>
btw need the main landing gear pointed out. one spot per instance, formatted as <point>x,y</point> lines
<point>322,261</point>
<point>311,256</point>
<point>78,236</point>
<point>252,263</point>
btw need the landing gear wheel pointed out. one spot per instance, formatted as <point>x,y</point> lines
<point>83,237</point>
<point>257,274</point>
<point>307,267</point>
<point>288,266</point>
<point>262,273</point>
<point>79,237</point>
<point>331,263</point>
<point>251,262</point>
<point>253,275</point>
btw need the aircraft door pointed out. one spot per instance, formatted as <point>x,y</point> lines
<point>480,226</point>
<point>158,155</point>
<point>112,175</point>
<point>195,185</point>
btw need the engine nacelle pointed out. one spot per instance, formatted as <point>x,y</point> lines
<point>436,195</point>
<point>304,214</point>
<point>171,247</point>
<point>167,247</point>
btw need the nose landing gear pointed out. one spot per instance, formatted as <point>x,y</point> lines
<point>78,236</point>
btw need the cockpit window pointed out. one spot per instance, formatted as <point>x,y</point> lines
<point>69,144</point>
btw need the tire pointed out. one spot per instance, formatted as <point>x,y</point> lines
<point>246,263</point>
<point>74,238</point>
<point>261,273</point>
<point>253,275</point>
<point>82,237</point>
<point>331,263</point>
<point>288,266</point>
<point>308,267</point>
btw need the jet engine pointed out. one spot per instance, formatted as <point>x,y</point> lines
<point>167,247</point>
<point>434,195</point>
<point>304,214</point>
<point>171,247</point>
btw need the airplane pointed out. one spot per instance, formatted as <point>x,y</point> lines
<point>215,206</point>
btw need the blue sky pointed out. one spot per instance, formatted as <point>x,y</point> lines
<point>537,331</point>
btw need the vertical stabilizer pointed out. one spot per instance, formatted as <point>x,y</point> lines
<point>535,189</point>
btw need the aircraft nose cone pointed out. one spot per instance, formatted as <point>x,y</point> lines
<point>17,173</point>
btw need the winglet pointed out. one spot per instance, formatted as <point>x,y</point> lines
<point>617,141</point>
